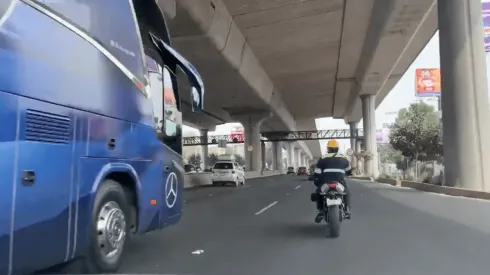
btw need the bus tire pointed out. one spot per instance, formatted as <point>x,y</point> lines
<point>111,230</point>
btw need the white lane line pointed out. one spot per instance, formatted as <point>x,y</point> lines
<point>297,187</point>
<point>197,252</point>
<point>265,208</point>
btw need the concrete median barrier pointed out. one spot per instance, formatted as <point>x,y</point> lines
<point>260,174</point>
<point>192,180</point>
<point>393,182</point>
<point>451,191</point>
<point>361,178</point>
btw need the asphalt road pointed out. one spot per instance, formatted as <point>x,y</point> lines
<point>267,228</point>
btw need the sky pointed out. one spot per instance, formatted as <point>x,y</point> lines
<point>401,96</point>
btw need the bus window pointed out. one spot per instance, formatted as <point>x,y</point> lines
<point>166,110</point>
<point>172,115</point>
<point>156,86</point>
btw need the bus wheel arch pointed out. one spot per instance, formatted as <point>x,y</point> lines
<point>129,185</point>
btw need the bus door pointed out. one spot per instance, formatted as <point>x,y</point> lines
<point>171,122</point>
<point>173,164</point>
<point>168,127</point>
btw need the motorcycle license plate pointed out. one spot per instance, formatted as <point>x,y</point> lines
<point>334,202</point>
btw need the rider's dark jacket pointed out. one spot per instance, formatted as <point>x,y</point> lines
<point>333,167</point>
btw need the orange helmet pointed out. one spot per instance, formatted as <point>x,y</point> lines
<point>333,144</point>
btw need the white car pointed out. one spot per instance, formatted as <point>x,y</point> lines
<point>227,172</point>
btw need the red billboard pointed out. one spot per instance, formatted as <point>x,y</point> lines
<point>427,82</point>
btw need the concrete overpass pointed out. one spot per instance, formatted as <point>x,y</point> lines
<point>278,64</point>
<point>296,59</point>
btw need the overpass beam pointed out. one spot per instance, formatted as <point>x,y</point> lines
<point>204,149</point>
<point>465,107</point>
<point>369,123</point>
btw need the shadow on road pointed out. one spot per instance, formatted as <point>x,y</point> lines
<point>298,230</point>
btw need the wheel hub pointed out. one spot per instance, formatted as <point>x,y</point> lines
<point>111,227</point>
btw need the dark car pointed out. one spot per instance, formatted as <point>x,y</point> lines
<point>302,171</point>
<point>291,170</point>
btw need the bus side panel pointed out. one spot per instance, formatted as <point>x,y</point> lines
<point>47,144</point>
<point>90,176</point>
<point>104,131</point>
<point>8,137</point>
<point>156,179</point>
<point>64,68</point>
<point>174,180</point>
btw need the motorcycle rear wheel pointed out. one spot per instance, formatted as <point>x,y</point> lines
<point>333,220</point>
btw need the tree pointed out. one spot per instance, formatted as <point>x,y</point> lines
<point>240,159</point>
<point>388,155</point>
<point>417,133</point>
<point>212,159</point>
<point>401,165</point>
<point>195,159</point>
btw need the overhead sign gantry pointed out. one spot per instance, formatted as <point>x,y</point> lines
<point>278,136</point>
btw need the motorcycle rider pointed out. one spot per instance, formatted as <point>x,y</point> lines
<point>332,167</point>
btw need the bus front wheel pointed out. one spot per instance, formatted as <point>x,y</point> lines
<point>111,227</point>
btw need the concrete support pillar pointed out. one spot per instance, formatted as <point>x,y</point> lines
<point>359,161</point>
<point>262,155</point>
<point>290,149</point>
<point>353,139</point>
<point>465,106</point>
<point>296,158</point>
<point>277,156</point>
<point>369,125</point>
<point>204,149</point>
<point>253,151</point>
<point>275,160</point>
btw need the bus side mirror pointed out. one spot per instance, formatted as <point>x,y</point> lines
<point>193,76</point>
<point>196,99</point>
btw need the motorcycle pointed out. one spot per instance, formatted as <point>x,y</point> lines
<point>332,195</point>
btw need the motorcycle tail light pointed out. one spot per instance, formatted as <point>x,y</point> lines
<point>332,185</point>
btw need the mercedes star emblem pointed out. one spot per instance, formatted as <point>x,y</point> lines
<point>171,188</point>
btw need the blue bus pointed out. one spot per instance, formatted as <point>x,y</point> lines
<point>91,139</point>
